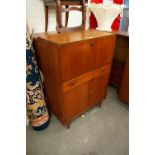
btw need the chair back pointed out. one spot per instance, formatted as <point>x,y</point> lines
<point>67,6</point>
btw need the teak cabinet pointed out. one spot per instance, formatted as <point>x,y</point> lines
<point>76,68</point>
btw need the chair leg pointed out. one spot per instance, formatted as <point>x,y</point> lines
<point>67,16</point>
<point>83,13</point>
<point>46,18</point>
<point>58,16</point>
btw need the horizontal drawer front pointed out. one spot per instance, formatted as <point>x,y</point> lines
<point>85,78</point>
<point>81,57</point>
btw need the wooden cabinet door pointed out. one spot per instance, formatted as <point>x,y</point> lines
<point>81,57</point>
<point>97,89</point>
<point>75,101</point>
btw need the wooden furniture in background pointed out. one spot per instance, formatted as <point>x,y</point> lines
<point>119,60</point>
<point>47,4</point>
<point>66,6</point>
<point>76,68</point>
<point>124,87</point>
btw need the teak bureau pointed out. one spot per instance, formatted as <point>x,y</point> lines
<point>76,68</point>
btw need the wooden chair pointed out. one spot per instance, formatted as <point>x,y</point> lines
<point>67,6</point>
<point>47,3</point>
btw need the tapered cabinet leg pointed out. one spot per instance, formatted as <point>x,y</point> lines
<point>100,104</point>
<point>68,124</point>
<point>105,93</point>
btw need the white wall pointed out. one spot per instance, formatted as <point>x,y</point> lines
<point>36,17</point>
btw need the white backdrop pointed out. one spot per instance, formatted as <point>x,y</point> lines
<point>36,17</point>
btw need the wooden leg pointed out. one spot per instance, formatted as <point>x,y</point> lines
<point>105,93</point>
<point>46,18</point>
<point>58,16</point>
<point>99,105</point>
<point>83,13</point>
<point>67,16</point>
<point>68,124</point>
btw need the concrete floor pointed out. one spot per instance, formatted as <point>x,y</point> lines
<point>103,131</point>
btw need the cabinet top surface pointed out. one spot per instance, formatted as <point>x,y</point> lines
<point>68,37</point>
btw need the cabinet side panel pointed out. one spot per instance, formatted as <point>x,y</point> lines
<point>47,55</point>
